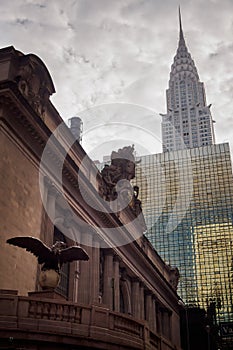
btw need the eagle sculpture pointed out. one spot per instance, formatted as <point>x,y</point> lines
<point>51,258</point>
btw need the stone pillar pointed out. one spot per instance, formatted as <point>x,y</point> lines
<point>49,213</point>
<point>158,318</point>
<point>108,285</point>
<point>95,270</point>
<point>76,281</point>
<point>149,308</point>
<point>166,322</point>
<point>136,296</point>
<point>44,215</point>
<point>141,302</point>
<point>76,234</point>
<point>47,218</point>
<point>85,279</point>
<point>116,300</point>
<point>153,313</point>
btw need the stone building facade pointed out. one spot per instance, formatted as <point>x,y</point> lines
<point>124,296</point>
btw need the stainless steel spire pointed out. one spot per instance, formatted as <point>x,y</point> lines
<point>188,122</point>
<point>180,22</point>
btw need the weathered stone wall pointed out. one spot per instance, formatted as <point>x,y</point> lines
<point>21,210</point>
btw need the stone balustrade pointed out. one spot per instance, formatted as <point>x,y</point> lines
<point>72,324</point>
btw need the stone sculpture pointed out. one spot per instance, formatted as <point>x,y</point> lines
<point>51,259</point>
<point>122,167</point>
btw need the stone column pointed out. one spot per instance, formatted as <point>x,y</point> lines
<point>49,213</point>
<point>76,281</point>
<point>158,318</point>
<point>44,215</point>
<point>136,297</point>
<point>141,302</point>
<point>153,313</point>
<point>167,322</point>
<point>76,234</point>
<point>47,218</point>
<point>116,300</point>
<point>108,279</point>
<point>86,268</point>
<point>95,270</point>
<point>149,308</point>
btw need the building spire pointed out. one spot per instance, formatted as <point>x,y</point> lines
<point>180,22</point>
<point>183,62</point>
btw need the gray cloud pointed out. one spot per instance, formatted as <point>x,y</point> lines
<point>121,51</point>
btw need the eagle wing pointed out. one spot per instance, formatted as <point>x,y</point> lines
<point>34,246</point>
<point>73,253</point>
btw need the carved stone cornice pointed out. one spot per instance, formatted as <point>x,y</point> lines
<point>17,112</point>
<point>30,75</point>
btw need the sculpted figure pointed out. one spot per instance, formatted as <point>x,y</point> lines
<point>122,167</point>
<point>136,206</point>
<point>175,276</point>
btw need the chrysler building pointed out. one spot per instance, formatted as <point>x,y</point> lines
<point>188,122</point>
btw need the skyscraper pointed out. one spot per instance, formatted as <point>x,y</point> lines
<point>187,200</point>
<point>187,196</point>
<point>188,122</point>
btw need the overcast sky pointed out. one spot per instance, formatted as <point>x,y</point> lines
<point>110,61</point>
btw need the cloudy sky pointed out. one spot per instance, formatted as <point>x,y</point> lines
<point>110,61</point>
